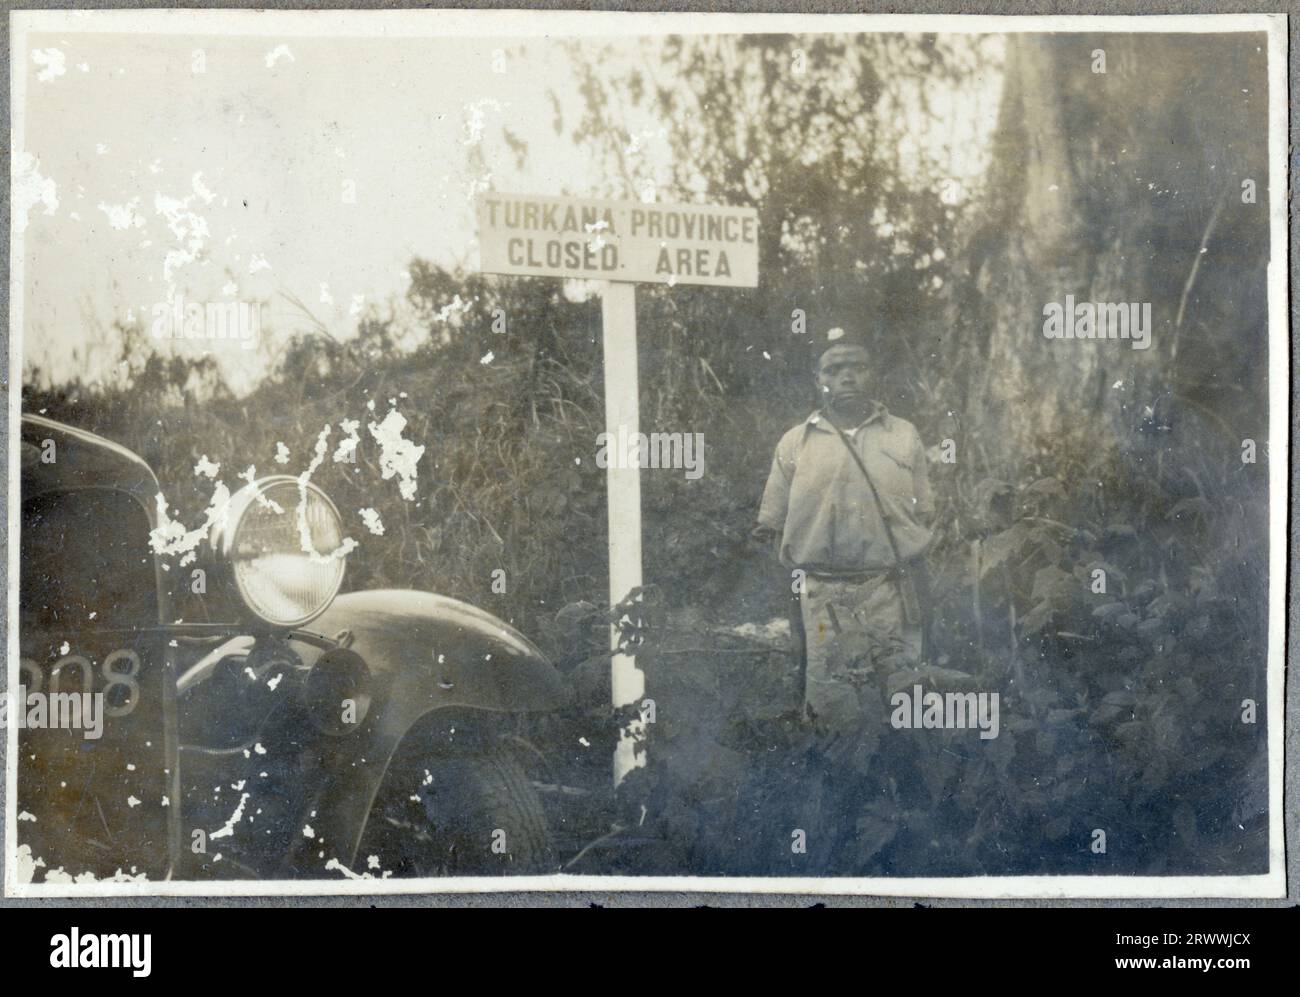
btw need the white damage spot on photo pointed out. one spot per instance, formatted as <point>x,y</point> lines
<point>453,309</point>
<point>189,229</point>
<point>346,451</point>
<point>171,537</point>
<point>31,189</point>
<point>476,120</point>
<point>334,865</point>
<point>277,54</point>
<point>228,829</point>
<point>52,63</point>
<point>60,876</point>
<point>373,523</point>
<point>26,865</point>
<point>347,545</point>
<point>200,188</point>
<point>123,216</point>
<point>397,456</point>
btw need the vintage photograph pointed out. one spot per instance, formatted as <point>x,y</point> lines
<point>465,450</point>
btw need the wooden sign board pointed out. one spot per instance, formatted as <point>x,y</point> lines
<point>535,236</point>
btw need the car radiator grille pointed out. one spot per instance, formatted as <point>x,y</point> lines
<point>93,806</point>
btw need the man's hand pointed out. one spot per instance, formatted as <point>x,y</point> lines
<point>762,534</point>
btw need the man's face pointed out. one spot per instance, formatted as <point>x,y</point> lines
<point>843,375</point>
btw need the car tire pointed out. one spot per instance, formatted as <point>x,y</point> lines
<point>471,814</point>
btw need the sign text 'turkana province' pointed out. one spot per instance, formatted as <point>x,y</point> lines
<point>618,240</point>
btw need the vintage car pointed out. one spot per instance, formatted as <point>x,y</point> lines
<point>291,731</point>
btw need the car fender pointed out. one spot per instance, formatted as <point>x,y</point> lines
<point>425,652</point>
<point>428,651</point>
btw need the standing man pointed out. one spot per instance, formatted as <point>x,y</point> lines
<point>849,497</point>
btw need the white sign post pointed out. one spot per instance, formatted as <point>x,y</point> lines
<point>623,500</point>
<point>620,243</point>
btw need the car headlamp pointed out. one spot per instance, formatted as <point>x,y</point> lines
<point>284,545</point>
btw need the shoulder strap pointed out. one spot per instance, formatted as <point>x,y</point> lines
<point>880,506</point>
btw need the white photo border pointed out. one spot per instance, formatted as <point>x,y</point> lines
<point>383,23</point>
